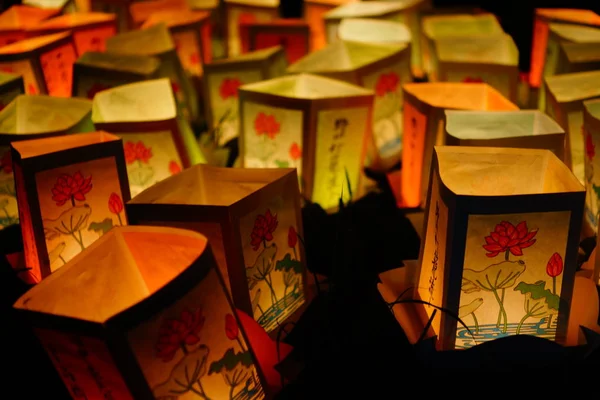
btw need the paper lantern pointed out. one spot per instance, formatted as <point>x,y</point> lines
<point>94,72</point>
<point>291,34</point>
<point>238,12</point>
<point>15,20</point>
<point>565,95</point>
<point>45,62</point>
<point>222,78</point>
<point>11,86</point>
<point>404,11</point>
<point>169,330</point>
<point>424,105</point>
<point>157,41</point>
<point>539,46</point>
<point>156,142</point>
<point>90,30</point>
<point>490,59</point>
<point>500,248</point>
<point>371,30</point>
<point>319,126</point>
<point>142,10</point>
<point>591,132</point>
<point>578,57</point>
<point>382,68</point>
<point>252,220</point>
<point>523,129</point>
<point>70,191</point>
<point>314,11</point>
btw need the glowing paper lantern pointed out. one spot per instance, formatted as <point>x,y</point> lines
<point>157,41</point>
<point>490,59</point>
<point>314,11</point>
<point>239,12</point>
<point>252,220</point>
<point>371,30</point>
<point>45,62</point>
<point>222,78</point>
<point>291,34</point>
<point>90,30</point>
<point>539,47</point>
<point>157,143</point>
<point>565,95</point>
<point>382,68</point>
<point>578,57</point>
<point>94,72</point>
<point>424,105</point>
<point>500,248</point>
<point>15,20</point>
<point>11,86</point>
<point>591,132</point>
<point>170,314</point>
<point>70,191</point>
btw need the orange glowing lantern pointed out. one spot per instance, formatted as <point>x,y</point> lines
<point>239,12</point>
<point>291,34</point>
<point>157,143</point>
<point>168,328</point>
<point>252,220</point>
<point>541,31</point>
<point>314,11</point>
<point>565,95</point>
<point>591,132</point>
<point>90,30</point>
<point>424,106</point>
<point>222,78</point>
<point>15,21</point>
<point>45,62</point>
<point>70,191</point>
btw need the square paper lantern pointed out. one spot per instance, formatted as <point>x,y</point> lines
<point>500,248</point>
<point>94,71</point>
<point>252,220</point>
<point>314,11</point>
<point>424,106</point>
<point>591,131</point>
<point>157,144</point>
<point>564,103</point>
<point>523,129</point>
<point>319,126</point>
<point>45,62</point>
<point>490,59</point>
<point>238,12</point>
<point>291,34</point>
<point>541,32</point>
<point>70,191</point>
<point>157,41</point>
<point>380,67</point>
<point>169,330</point>
<point>90,30</point>
<point>11,85</point>
<point>222,78</point>
<point>29,117</point>
<point>15,20</point>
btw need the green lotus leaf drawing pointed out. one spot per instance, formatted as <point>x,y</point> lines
<point>470,308</point>
<point>264,264</point>
<point>101,227</point>
<point>236,368</point>
<point>70,221</point>
<point>55,253</point>
<point>282,164</point>
<point>140,176</point>
<point>497,276</point>
<point>289,264</point>
<point>185,375</point>
<point>538,299</point>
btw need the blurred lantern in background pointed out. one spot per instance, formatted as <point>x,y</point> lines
<point>591,142</point>
<point>371,30</point>
<point>142,10</point>
<point>15,20</point>
<point>64,6</point>
<point>239,12</point>
<point>314,11</point>
<point>291,34</point>
<point>578,57</point>
<point>11,85</point>
<point>120,8</point>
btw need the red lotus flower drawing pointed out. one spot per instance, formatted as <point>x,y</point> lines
<point>555,265</point>
<point>590,148</point>
<point>387,83</point>
<point>137,152</point>
<point>295,151</point>
<point>471,79</point>
<point>264,226</point>
<point>174,167</point>
<point>6,163</point>
<point>266,125</point>
<point>229,88</point>
<point>96,88</point>
<point>175,334</point>
<point>115,204</point>
<point>292,237</point>
<point>507,238</point>
<point>71,188</point>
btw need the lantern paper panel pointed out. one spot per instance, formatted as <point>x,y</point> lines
<point>578,57</point>
<point>371,30</point>
<point>94,72</point>
<point>423,121</point>
<point>477,204</point>
<point>15,20</point>
<point>564,103</point>
<point>45,63</point>
<point>541,32</point>
<point>145,266</point>
<point>253,218</point>
<point>224,77</point>
<point>591,131</point>
<point>239,12</point>
<point>70,191</point>
<point>291,34</point>
<point>523,129</point>
<point>11,85</point>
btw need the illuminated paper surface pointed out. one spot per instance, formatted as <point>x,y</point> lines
<point>591,138</point>
<point>17,18</point>
<point>373,30</point>
<point>241,11</point>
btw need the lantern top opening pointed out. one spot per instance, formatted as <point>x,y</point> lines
<point>205,185</point>
<point>249,57</point>
<point>576,33</point>
<point>459,96</point>
<point>36,43</point>
<point>21,17</point>
<point>125,266</point>
<point>593,108</point>
<point>490,171</point>
<point>373,31</point>
<point>39,114</point>
<point>499,124</point>
<point>254,3</point>
<point>369,9</point>
<point>38,147</point>
<point>145,65</point>
<point>493,49</point>
<point>436,26</point>
<point>575,86</point>
<point>73,20</point>
<point>151,100</point>
<point>307,86</point>
<point>149,41</point>
<point>141,10</point>
<point>176,18</point>
<point>581,52</point>
<point>344,55</point>
<point>569,15</point>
